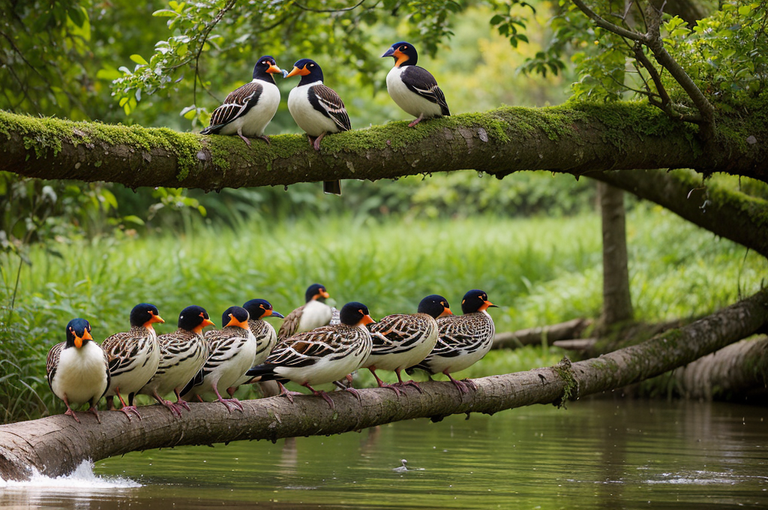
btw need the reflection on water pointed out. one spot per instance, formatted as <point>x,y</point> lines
<point>595,454</point>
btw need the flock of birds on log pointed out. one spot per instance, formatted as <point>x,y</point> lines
<point>315,344</point>
<point>317,109</point>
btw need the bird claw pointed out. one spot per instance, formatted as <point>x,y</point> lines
<point>392,387</point>
<point>412,124</point>
<point>245,139</point>
<point>403,384</point>
<point>93,411</point>
<point>130,409</point>
<point>70,412</point>
<point>233,402</point>
<point>357,393</point>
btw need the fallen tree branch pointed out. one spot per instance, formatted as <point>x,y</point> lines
<point>532,336</point>
<point>57,445</point>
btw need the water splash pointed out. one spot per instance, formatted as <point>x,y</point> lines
<point>82,480</point>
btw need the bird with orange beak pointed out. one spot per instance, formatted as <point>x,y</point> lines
<point>248,110</point>
<point>462,340</point>
<point>320,356</point>
<point>413,88</point>
<point>317,109</point>
<point>133,357</point>
<point>77,369</point>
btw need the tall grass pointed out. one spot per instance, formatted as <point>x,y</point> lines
<point>539,271</point>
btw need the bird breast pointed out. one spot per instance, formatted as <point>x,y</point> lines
<point>81,374</point>
<point>312,121</point>
<point>256,119</point>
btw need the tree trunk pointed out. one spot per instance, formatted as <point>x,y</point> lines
<point>57,445</point>
<point>617,302</point>
<point>574,139</point>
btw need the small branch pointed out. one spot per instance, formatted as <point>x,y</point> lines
<point>607,25</point>
<point>343,9</point>
<point>215,21</point>
<point>531,336</point>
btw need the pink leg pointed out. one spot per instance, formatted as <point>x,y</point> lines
<point>227,401</point>
<point>412,124</point>
<point>460,385</point>
<point>316,145</point>
<point>127,408</point>
<point>246,140</point>
<point>69,411</point>
<point>382,384</point>
<point>321,394</point>
<point>173,408</point>
<point>92,410</point>
<point>179,401</point>
<point>285,393</point>
<point>407,383</point>
<point>266,139</point>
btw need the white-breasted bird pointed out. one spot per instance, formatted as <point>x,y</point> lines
<point>317,109</point>
<point>402,340</point>
<point>133,357</point>
<point>266,338</point>
<point>462,339</point>
<point>232,350</point>
<point>182,354</point>
<point>248,110</point>
<point>322,355</point>
<point>413,88</point>
<point>314,313</point>
<point>77,369</point>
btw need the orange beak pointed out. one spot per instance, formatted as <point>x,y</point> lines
<point>274,69</point>
<point>486,305</point>
<point>207,322</point>
<point>153,320</point>
<point>79,340</point>
<point>446,312</point>
<point>234,322</point>
<point>366,320</point>
<point>296,70</point>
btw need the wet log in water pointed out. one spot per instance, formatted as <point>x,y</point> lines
<point>542,334</point>
<point>56,445</point>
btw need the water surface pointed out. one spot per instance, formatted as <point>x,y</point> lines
<point>595,454</point>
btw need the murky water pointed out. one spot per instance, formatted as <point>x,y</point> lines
<point>595,454</point>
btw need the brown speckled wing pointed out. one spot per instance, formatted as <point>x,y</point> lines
<point>52,362</point>
<point>290,324</point>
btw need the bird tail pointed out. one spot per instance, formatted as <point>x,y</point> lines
<point>332,187</point>
<point>261,373</point>
<point>211,130</point>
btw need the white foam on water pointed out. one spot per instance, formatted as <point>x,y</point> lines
<point>83,479</point>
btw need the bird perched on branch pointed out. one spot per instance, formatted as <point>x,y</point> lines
<point>402,340</point>
<point>231,352</point>
<point>317,109</point>
<point>413,88</point>
<point>322,355</point>
<point>182,354</point>
<point>313,314</point>
<point>462,340</point>
<point>247,111</point>
<point>266,338</point>
<point>77,369</point>
<point>133,357</point>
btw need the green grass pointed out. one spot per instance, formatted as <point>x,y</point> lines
<point>540,271</point>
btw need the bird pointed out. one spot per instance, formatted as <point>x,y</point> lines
<point>402,340</point>
<point>182,354</point>
<point>317,109</point>
<point>248,109</point>
<point>133,357</point>
<point>322,355</point>
<point>266,338</point>
<point>462,339</point>
<point>413,88</point>
<point>232,350</point>
<point>78,370</point>
<point>314,313</point>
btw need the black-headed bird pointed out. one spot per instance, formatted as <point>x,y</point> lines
<point>314,313</point>
<point>317,109</point>
<point>77,369</point>
<point>413,88</point>
<point>247,111</point>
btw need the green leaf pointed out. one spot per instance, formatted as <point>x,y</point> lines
<point>131,218</point>
<point>165,13</point>
<point>139,59</point>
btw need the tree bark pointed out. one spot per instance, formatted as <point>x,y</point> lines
<point>549,334</point>
<point>57,445</point>
<point>572,139</point>
<point>617,302</point>
<point>729,214</point>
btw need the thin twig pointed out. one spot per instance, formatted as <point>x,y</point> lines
<point>206,33</point>
<point>343,9</point>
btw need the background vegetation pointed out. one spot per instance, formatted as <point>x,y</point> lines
<point>532,240</point>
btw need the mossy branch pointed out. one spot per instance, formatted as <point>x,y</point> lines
<point>57,445</point>
<point>571,139</point>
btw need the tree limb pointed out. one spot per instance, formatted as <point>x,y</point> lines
<point>570,139</point>
<point>57,445</point>
<point>729,214</point>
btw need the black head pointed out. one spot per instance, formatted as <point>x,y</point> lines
<point>265,68</point>
<point>309,70</point>
<point>145,314</point>
<point>435,305</point>
<point>194,318</point>
<point>316,291</point>
<point>261,308</point>
<point>78,333</point>
<point>475,301</point>
<point>404,54</point>
<point>235,316</point>
<point>355,314</point>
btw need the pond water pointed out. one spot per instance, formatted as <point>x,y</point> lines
<point>596,454</point>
